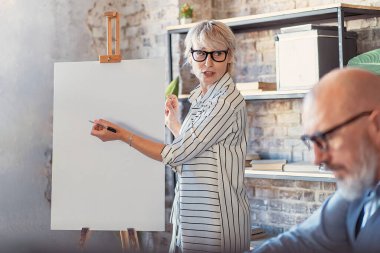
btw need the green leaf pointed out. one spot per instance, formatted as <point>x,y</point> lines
<point>369,61</point>
<point>173,87</point>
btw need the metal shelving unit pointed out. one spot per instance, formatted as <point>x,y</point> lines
<point>338,13</point>
<point>277,95</point>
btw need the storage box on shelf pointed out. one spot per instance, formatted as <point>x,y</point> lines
<point>307,52</point>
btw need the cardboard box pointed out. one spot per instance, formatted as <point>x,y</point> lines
<point>305,53</point>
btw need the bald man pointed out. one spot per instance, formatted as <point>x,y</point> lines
<point>341,119</point>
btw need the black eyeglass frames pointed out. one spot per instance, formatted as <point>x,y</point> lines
<point>200,55</point>
<point>320,138</point>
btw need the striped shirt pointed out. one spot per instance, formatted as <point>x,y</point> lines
<point>211,206</point>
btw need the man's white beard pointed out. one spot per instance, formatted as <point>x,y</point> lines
<point>354,186</point>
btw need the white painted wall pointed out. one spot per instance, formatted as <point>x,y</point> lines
<point>33,35</point>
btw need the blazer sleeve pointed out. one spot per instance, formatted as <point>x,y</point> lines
<point>324,231</point>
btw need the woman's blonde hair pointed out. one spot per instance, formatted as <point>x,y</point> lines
<point>212,33</point>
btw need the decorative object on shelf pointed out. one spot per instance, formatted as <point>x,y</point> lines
<point>185,14</point>
<point>369,61</point>
<point>173,87</point>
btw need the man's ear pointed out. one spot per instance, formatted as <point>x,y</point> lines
<point>375,117</point>
<point>375,126</point>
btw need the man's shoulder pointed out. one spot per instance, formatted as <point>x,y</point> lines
<point>336,201</point>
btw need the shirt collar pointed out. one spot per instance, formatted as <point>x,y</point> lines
<point>373,193</point>
<point>376,189</point>
<point>196,94</point>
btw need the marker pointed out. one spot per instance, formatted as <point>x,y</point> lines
<point>108,128</point>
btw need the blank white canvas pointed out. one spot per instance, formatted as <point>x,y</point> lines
<point>107,185</point>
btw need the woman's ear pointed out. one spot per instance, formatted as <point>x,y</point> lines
<point>190,59</point>
<point>189,62</point>
<point>229,58</point>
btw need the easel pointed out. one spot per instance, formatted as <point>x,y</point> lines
<point>110,57</point>
<point>128,238</point>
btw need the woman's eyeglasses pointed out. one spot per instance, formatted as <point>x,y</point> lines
<point>200,55</point>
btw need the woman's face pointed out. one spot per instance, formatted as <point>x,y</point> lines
<point>208,71</point>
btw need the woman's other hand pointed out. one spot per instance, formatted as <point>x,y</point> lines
<point>172,114</point>
<point>99,129</point>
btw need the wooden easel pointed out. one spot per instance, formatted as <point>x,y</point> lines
<point>111,57</point>
<point>129,239</point>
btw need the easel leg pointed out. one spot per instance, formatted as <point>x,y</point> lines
<point>129,240</point>
<point>124,240</point>
<point>84,234</point>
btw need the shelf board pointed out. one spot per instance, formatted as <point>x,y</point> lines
<point>291,17</point>
<point>285,94</point>
<point>267,95</point>
<point>303,176</point>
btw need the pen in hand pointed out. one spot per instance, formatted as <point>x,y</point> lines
<point>108,128</point>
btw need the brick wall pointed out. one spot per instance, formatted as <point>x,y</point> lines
<point>277,205</point>
<point>274,130</point>
<point>142,26</point>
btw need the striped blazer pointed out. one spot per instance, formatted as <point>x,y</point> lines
<point>210,210</point>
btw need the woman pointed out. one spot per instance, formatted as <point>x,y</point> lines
<point>210,210</point>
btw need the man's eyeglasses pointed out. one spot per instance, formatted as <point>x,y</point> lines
<point>320,138</point>
<point>200,55</point>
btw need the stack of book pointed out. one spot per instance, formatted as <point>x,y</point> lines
<point>250,157</point>
<point>257,233</point>
<point>254,87</point>
<point>273,165</point>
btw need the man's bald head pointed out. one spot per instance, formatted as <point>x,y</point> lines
<point>347,91</point>
<point>342,118</point>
